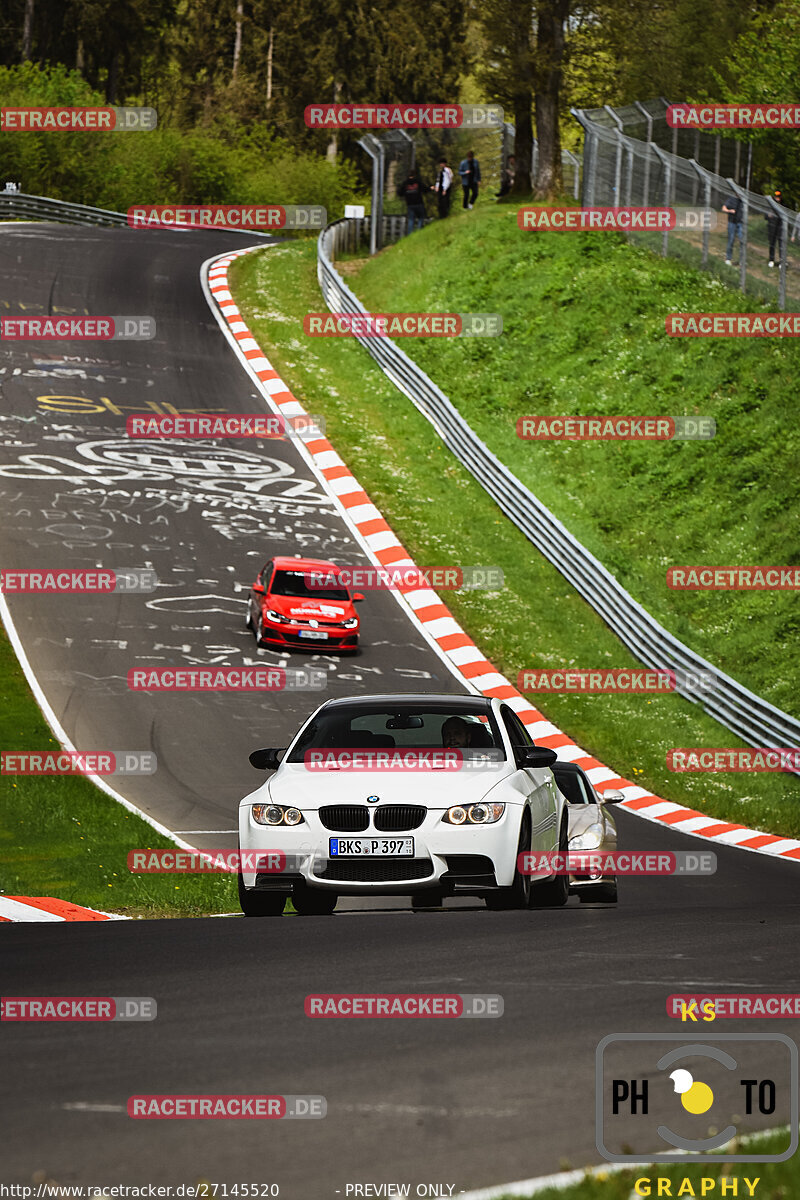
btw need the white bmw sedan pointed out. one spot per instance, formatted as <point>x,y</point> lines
<point>426,796</point>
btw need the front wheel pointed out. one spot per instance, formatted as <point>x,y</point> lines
<point>313,902</point>
<point>260,904</point>
<point>518,894</point>
<point>553,892</point>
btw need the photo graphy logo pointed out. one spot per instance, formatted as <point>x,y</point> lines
<point>403,1004</point>
<point>660,1098</point>
<point>226,1107</point>
<point>391,325</point>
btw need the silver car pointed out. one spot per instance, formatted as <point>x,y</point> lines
<point>591,827</point>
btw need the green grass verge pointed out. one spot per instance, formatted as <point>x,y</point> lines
<point>61,836</point>
<point>583,319</point>
<point>443,516</point>
<point>775,1181</point>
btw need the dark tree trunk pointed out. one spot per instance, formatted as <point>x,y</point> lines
<point>522,73</point>
<point>113,79</point>
<point>549,59</point>
<point>27,30</point>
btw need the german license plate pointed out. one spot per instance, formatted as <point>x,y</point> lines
<point>376,847</point>
<point>314,633</point>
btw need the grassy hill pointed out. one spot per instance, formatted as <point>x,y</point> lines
<point>583,319</point>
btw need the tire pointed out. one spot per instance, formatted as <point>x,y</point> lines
<point>553,893</point>
<point>427,900</point>
<point>519,893</point>
<point>260,904</point>
<point>601,893</point>
<point>313,902</point>
<point>248,621</point>
<point>259,629</point>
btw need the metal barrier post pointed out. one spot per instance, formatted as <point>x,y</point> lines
<point>646,184</point>
<point>703,174</point>
<point>664,159</point>
<point>742,194</point>
<point>364,143</point>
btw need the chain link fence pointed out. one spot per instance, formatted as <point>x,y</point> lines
<point>756,246</point>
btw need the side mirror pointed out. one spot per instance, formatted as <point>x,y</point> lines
<point>259,589</point>
<point>610,796</point>
<point>536,756</point>
<point>266,760</point>
<point>358,596</point>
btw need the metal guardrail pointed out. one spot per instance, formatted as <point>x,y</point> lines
<point>749,716</point>
<point>16,206</point>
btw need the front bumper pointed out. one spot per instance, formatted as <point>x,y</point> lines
<point>289,635</point>
<point>455,860</point>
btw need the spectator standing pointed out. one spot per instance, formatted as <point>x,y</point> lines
<point>507,176</point>
<point>444,182</point>
<point>470,171</point>
<point>732,205</point>
<point>774,230</point>
<point>412,192</point>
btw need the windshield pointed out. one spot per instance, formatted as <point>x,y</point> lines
<point>301,585</point>
<point>428,728</point>
<point>572,786</point>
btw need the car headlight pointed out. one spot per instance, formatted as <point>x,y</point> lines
<point>590,839</point>
<point>276,814</point>
<point>351,624</point>
<point>474,814</point>
<point>276,617</point>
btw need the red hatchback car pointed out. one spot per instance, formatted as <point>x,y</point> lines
<point>286,608</point>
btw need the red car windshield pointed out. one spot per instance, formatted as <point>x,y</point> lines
<point>301,585</point>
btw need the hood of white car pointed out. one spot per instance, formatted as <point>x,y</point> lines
<point>437,789</point>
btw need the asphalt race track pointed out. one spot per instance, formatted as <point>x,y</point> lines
<point>462,1103</point>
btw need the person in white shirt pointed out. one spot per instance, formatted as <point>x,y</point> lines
<point>444,182</point>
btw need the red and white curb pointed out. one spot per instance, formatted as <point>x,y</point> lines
<point>426,608</point>
<point>47,908</point>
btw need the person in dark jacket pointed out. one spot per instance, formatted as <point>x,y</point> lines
<point>732,205</point>
<point>470,171</point>
<point>412,190</point>
<point>775,230</point>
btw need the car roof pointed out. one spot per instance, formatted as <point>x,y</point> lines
<point>471,703</point>
<point>569,768</point>
<point>286,562</point>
